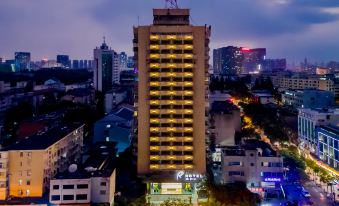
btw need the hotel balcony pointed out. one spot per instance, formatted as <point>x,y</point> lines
<point>171,129</point>
<point>171,148</point>
<point>170,37</point>
<point>171,56</point>
<point>162,84</point>
<point>171,65</point>
<point>171,157</point>
<point>171,102</point>
<point>171,167</point>
<point>171,74</point>
<point>171,111</point>
<point>171,139</point>
<point>171,120</point>
<point>171,93</point>
<point>171,46</point>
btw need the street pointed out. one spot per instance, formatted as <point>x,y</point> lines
<point>318,196</point>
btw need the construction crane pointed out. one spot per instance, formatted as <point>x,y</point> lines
<point>172,4</point>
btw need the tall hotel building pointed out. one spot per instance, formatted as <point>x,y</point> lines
<point>172,64</point>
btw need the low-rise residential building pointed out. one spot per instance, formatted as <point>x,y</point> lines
<point>91,182</point>
<point>82,85</point>
<point>308,98</point>
<point>116,127</point>
<point>28,165</point>
<point>14,97</point>
<point>82,96</point>
<point>284,82</point>
<point>263,98</point>
<point>308,120</point>
<point>113,98</point>
<point>4,86</point>
<point>51,84</point>
<point>328,145</point>
<point>225,122</point>
<point>218,96</point>
<point>254,163</point>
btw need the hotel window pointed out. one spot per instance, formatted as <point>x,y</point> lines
<point>20,182</point>
<point>68,197</point>
<point>102,192</point>
<point>21,154</point>
<point>81,197</point>
<point>55,197</point>
<point>29,155</point>
<point>68,187</point>
<point>55,187</point>
<point>29,172</point>
<point>28,182</point>
<point>82,186</point>
<point>103,184</point>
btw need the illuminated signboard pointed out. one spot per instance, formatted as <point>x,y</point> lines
<point>188,176</point>
<point>272,179</point>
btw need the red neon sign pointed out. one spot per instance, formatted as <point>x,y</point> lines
<point>245,49</point>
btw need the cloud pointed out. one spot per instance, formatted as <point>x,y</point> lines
<point>75,27</point>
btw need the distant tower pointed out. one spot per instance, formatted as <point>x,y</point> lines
<point>172,4</point>
<point>106,71</point>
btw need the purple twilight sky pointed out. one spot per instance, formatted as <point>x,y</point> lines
<point>287,28</point>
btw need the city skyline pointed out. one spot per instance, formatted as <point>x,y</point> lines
<point>294,29</point>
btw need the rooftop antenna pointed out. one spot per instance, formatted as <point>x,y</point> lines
<point>172,4</point>
<point>104,38</point>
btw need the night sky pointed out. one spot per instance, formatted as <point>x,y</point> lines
<point>294,29</point>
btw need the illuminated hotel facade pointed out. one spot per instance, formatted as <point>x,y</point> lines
<point>171,100</point>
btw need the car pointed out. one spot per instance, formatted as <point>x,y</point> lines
<point>305,193</point>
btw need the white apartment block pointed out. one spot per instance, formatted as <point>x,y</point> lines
<point>308,119</point>
<point>255,164</point>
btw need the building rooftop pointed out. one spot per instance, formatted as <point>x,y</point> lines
<point>100,161</point>
<point>251,144</point>
<point>223,106</point>
<point>262,94</point>
<point>320,110</point>
<point>79,92</point>
<point>331,129</point>
<point>43,140</point>
<point>124,113</point>
<point>171,16</point>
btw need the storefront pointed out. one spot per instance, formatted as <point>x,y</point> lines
<point>171,188</point>
<point>183,186</point>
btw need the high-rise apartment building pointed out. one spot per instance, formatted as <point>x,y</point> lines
<point>130,62</point>
<point>172,64</point>
<point>228,60</point>
<point>22,61</point>
<point>253,59</point>
<point>64,60</point>
<point>236,60</point>
<point>122,61</point>
<point>274,65</point>
<point>106,68</point>
<point>75,64</point>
